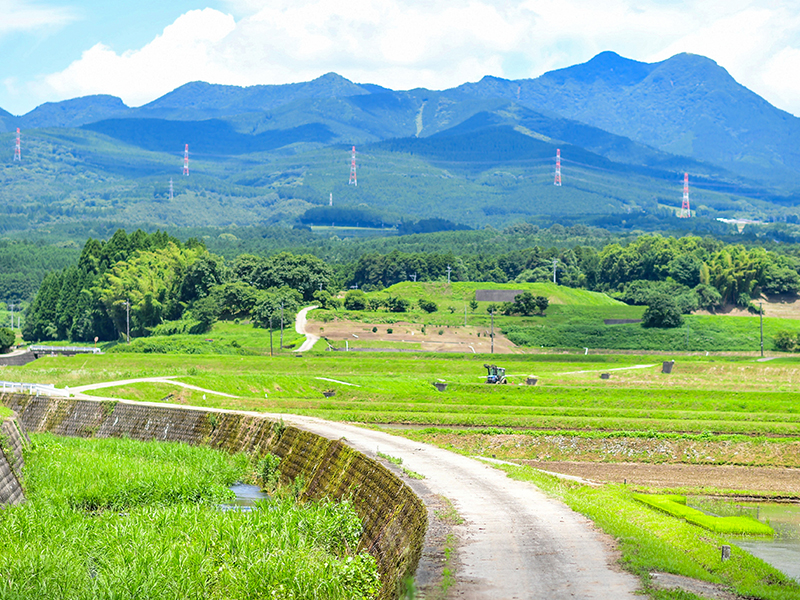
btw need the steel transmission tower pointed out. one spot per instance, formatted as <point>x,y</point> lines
<point>558,167</point>
<point>170,189</point>
<point>353,180</point>
<point>686,212</point>
<point>186,161</point>
<point>18,149</point>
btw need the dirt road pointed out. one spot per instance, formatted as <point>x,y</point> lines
<point>516,542</point>
<point>300,327</point>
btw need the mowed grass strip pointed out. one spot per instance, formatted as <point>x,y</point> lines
<point>398,389</point>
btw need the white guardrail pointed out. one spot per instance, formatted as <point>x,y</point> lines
<point>65,349</point>
<point>45,389</point>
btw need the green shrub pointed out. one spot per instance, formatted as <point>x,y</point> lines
<point>786,341</point>
<point>355,300</point>
<point>269,471</point>
<point>7,339</point>
<point>429,306</point>
<point>664,312</point>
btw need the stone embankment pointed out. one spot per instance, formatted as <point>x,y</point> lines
<point>12,440</point>
<point>394,518</point>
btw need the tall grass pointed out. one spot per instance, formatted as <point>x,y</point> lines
<point>118,519</point>
<point>119,473</point>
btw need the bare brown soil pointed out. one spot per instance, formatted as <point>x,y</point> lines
<point>452,339</point>
<point>782,481</point>
<point>783,306</point>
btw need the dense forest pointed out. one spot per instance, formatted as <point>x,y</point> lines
<point>155,283</point>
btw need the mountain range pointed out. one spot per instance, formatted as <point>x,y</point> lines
<point>627,131</point>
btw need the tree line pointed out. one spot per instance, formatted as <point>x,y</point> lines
<point>154,283</point>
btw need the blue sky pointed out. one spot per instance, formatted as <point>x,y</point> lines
<point>59,49</point>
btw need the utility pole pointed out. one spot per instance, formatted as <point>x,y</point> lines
<point>128,320</point>
<point>353,179</point>
<point>492,334</point>
<point>11,306</point>
<point>686,212</point>
<point>557,180</point>
<point>448,274</point>
<point>761,320</point>
<point>18,149</point>
<point>555,262</point>
<point>281,325</point>
<point>465,314</point>
<point>270,334</point>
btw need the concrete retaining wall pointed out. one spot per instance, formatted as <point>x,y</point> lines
<point>12,439</point>
<point>394,518</point>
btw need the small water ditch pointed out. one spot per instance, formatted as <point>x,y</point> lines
<point>246,497</point>
<point>781,551</point>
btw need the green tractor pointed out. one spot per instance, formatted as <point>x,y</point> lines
<point>496,374</point>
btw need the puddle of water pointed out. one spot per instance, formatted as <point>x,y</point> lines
<point>246,497</point>
<point>782,551</point>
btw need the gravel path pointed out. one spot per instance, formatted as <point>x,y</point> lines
<point>300,327</point>
<point>516,542</point>
<point>168,379</point>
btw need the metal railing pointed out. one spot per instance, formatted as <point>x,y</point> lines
<point>65,349</point>
<point>45,389</point>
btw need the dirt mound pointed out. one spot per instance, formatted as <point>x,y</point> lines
<point>410,336</point>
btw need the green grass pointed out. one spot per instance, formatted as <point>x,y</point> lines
<point>458,293</point>
<point>573,327</point>
<point>122,519</point>
<point>718,396</point>
<point>5,412</point>
<point>654,541</point>
<point>226,337</point>
<point>118,473</point>
<point>676,506</point>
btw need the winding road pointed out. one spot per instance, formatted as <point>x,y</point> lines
<point>300,327</point>
<point>516,542</point>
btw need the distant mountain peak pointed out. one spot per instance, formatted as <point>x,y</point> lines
<point>607,66</point>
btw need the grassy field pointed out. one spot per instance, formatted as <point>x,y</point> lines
<point>574,319</point>
<point>117,518</point>
<point>703,396</point>
<point>710,410</point>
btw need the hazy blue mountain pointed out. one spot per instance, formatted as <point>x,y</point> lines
<point>204,100</point>
<point>211,137</point>
<point>73,113</point>
<point>6,121</point>
<point>686,105</point>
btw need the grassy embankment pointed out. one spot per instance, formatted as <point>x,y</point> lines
<point>125,519</point>
<point>575,319</point>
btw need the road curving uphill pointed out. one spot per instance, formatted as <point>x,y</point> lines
<point>517,543</point>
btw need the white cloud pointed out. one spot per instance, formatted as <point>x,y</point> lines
<point>24,16</point>
<point>187,50</point>
<point>418,43</point>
